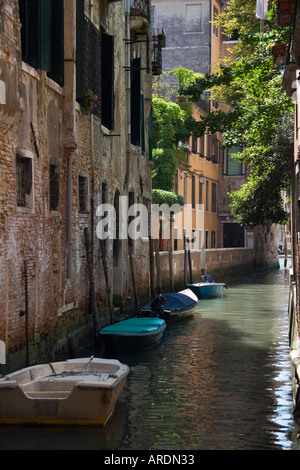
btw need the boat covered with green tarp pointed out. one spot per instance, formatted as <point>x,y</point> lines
<point>133,333</point>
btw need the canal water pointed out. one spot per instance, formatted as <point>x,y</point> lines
<point>219,381</point>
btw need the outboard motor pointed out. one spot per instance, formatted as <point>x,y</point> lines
<point>157,304</point>
<point>207,278</point>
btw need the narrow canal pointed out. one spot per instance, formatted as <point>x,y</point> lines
<point>219,381</point>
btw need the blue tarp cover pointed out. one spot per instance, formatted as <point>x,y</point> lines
<point>175,301</point>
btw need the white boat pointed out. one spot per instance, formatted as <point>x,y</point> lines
<point>73,392</point>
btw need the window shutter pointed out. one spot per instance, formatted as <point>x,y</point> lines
<point>29,17</point>
<point>57,42</point>
<point>107,95</point>
<point>142,124</point>
<point>79,49</point>
<point>45,34</point>
<point>135,101</point>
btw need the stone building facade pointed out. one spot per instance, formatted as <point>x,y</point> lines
<point>194,42</point>
<point>75,110</point>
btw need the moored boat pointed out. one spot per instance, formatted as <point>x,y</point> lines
<point>172,306</point>
<point>73,392</point>
<point>208,289</point>
<point>133,334</point>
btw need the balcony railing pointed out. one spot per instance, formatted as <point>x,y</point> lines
<point>140,8</point>
<point>158,42</point>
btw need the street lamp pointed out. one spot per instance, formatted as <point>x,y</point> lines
<point>201,178</point>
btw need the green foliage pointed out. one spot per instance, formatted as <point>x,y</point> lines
<point>160,197</point>
<point>171,124</point>
<point>257,115</point>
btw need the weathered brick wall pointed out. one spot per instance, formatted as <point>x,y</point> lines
<point>37,120</point>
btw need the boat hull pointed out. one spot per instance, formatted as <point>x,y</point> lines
<point>179,306</point>
<point>133,334</point>
<point>207,290</point>
<point>37,396</point>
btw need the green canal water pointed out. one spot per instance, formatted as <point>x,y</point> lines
<point>219,381</point>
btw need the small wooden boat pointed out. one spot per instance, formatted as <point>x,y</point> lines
<point>172,306</point>
<point>208,289</point>
<point>133,334</point>
<point>72,392</point>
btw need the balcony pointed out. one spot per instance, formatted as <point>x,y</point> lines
<point>140,15</point>
<point>158,42</point>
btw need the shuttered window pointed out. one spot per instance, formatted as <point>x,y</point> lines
<point>136,101</point>
<point>42,36</point>
<point>107,114</point>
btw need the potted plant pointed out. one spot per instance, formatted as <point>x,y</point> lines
<point>279,53</point>
<point>162,38</point>
<point>89,102</point>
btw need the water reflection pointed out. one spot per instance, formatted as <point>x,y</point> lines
<point>219,381</point>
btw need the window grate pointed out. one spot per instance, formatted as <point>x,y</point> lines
<point>82,190</point>
<point>24,179</point>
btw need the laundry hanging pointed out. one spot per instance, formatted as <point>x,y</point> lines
<point>261,9</point>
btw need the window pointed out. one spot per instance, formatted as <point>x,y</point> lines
<point>206,238</point>
<point>54,187</point>
<point>185,189</point>
<point>24,182</point>
<point>215,27</point>
<point>201,146</point>
<point>42,36</point>
<point>83,193</point>
<point>193,18</point>
<point>107,96</point>
<point>193,191</point>
<point>233,167</point>
<point>194,145</point>
<point>234,36</point>
<point>213,239</point>
<point>208,145</point>
<point>136,102</point>
<point>214,197</point>
<point>94,65</point>
<point>215,149</point>
<point>207,196</point>
<point>200,193</point>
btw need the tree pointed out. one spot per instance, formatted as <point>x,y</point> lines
<point>257,115</point>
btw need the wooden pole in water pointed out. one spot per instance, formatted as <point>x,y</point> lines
<point>133,281</point>
<point>185,262</point>
<point>151,260</point>
<point>158,272</point>
<point>108,291</point>
<point>26,313</point>
<point>170,250</point>
<point>93,303</point>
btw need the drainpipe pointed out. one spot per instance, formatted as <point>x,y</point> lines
<point>69,218</point>
<point>128,74</point>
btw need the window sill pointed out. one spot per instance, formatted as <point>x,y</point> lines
<point>25,210</point>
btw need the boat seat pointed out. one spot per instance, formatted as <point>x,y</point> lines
<point>47,394</point>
